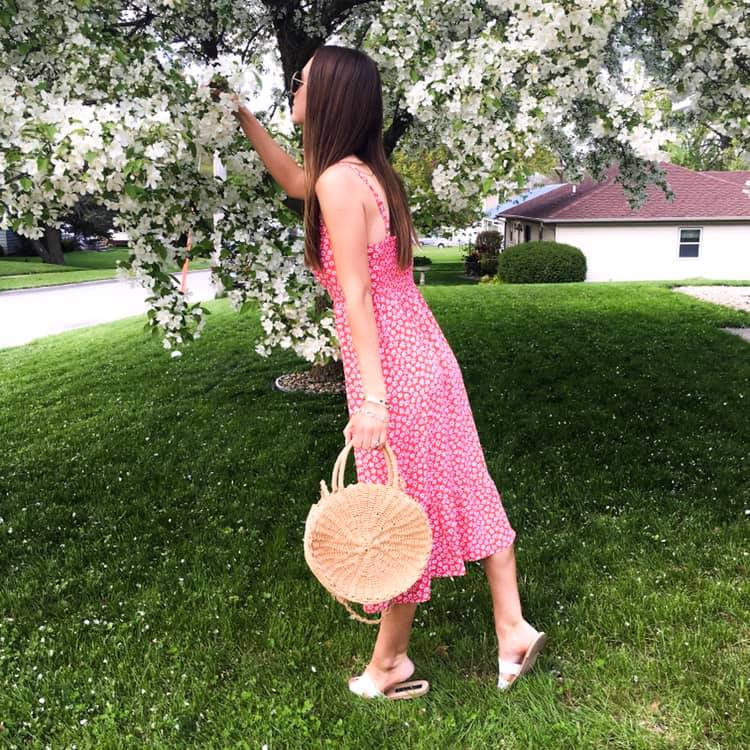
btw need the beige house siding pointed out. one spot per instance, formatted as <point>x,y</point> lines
<point>644,252</point>
<point>633,251</point>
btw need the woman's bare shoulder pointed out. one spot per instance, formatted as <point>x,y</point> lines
<point>335,177</point>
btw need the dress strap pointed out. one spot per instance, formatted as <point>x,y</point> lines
<point>381,207</point>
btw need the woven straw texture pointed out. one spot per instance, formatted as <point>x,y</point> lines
<point>366,542</point>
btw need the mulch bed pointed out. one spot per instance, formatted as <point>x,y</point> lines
<point>301,382</point>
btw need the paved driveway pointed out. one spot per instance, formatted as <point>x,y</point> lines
<point>28,314</point>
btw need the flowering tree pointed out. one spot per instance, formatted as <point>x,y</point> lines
<point>112,101</point>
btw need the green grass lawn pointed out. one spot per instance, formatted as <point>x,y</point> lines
<point>155,591</point>
<point>25,273</point>
<point>80,265</point>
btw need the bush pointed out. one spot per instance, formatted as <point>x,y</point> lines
<point>471,263</point>
<point>482,260</point>
<point>487,264</point>
<point>489,242</point>
<point>421,260</point>
<point>542,261</point>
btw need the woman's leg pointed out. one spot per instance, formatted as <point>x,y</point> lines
<point>514,634</point>
<point>389,663</point>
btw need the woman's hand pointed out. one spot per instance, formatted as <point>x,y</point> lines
<point>366,431</point>
<point>219,86</point>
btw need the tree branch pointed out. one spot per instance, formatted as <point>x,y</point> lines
<point>401,122</point>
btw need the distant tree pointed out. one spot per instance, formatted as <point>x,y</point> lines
<point>431,210</point>
<point>703,149</point>
<point>90,217</point>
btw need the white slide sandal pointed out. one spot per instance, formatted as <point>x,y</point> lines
<point>366,688</point>
<point>509,667</point>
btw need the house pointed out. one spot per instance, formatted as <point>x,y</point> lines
<point>703,232</point>
<point>492,210</point>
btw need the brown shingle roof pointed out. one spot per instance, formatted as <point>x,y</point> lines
<point>704,195</point>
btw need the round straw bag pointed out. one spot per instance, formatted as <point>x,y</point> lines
<point>366,542</point>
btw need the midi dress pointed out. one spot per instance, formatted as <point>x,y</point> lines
<point>430,428</point>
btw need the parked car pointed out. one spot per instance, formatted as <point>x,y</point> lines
<point>435,241</point>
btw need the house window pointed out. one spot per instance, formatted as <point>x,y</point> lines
<point>690,240</point>
<point>526,233</point>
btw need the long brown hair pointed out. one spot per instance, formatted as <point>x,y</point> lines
<point>343,116</point>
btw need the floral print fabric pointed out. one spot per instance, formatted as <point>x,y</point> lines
<point>431,428</point>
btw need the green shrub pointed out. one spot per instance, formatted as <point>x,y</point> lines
<point>482,261</point>
<point>487,264</point>
<point>489,242</point>
<point>541,261</point>
<point>471,263</point>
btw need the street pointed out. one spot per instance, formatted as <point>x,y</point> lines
<point>29,314</point>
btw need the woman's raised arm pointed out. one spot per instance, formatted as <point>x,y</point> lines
<point>282,167</point>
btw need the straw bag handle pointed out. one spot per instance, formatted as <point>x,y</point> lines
<point>355,616</point>
<point>337,477</point>
<point>337,482</point>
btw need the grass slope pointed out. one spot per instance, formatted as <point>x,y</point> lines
<point>156,593</point>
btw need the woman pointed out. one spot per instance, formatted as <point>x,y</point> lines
<point>403,382</point>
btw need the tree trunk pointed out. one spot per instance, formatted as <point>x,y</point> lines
<point>49,248</point>
<point>296,46</point>
<point>330,372</point>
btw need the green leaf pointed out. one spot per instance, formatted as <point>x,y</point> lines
<point>134,165</point>
<point>206,244</point>
<point>133,191</point>
<point>48,130</point>
<point>42,163</point>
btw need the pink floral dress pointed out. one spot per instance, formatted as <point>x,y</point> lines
<point>431,428</point>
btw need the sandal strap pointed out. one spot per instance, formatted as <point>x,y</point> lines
<point>364,686</point>
<point>508,667</point>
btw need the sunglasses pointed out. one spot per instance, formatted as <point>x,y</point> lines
<point>296,82</point>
